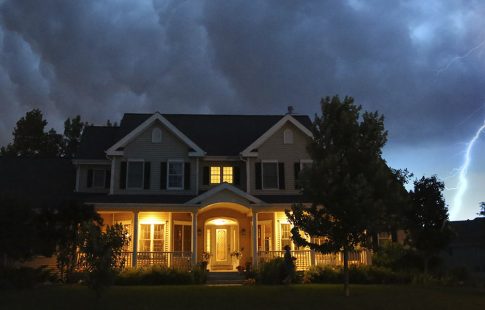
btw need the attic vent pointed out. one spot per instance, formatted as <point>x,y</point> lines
<point>288,136</point>
<point>156,135</point>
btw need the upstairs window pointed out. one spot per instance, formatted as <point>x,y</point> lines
<point>288,136</point>
<point>135,174</point>
<point>156,135</point>
<point>224,174</point>
<point>215,175</point>
<point>270,175</point>
<point>175,175</point>
<point>99,178</point>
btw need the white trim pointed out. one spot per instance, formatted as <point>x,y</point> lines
<point>270,161</point>
<point>90,161</point>
<point>112,181</point>
<point>272,130</point>
<point>183,173</point>
<point>248,177</point>
<point>113,150</point>
<point>142,174</point>
<point>78,178</point>
<point>221,187</point>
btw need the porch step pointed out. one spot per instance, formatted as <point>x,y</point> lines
<point>225,278</point>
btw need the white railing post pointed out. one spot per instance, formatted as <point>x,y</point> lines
<point>312,258</point>
<point>254,238</point>
<point>135,238</point>
<point>194,238</point>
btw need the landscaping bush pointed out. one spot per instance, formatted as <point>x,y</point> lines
<point>273,272</point>
<point>358,274</point>
<point>157,275</point>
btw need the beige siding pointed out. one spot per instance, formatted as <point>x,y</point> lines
<point>142,147</point>
<point>289,154</point>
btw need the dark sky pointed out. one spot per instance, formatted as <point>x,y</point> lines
<point>420,63</point>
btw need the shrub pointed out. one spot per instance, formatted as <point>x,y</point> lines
<point>273,272</point>
<point>358,274</point>
<point>158,275</point>
<point>24,277</point>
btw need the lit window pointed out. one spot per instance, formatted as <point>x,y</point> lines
<point>285,235</point>
<point>175,175</point>
<point>384,238</point>
<point>227,174</point>
<point>135,174</point>
<point>156,135</point>
<point>99,178</point>
<point>288,136</point>
<point>270,175</point>
<point>151,237</point>
<point>215,175</point>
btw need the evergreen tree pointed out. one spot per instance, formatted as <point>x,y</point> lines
<point>351,189</point>
<point>73,129</point>
<point>428,226</point>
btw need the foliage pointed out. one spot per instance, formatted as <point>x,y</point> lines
<point>351,189</point>
<point>73,129</point>
<point>427,219</point>
<point>274,271</point>
<point>17,231</point>
<point>158,275</point>
<point>62,224</point>
<point>482,209</point>
<point>24,277</point>
<point>30,138</point>
<point>396,257</point>
<point>101,251</point>
<point>358,274</point>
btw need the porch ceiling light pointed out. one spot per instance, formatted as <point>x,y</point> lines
<point>220,222</point>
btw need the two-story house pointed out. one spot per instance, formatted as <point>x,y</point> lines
<point>199,187</point>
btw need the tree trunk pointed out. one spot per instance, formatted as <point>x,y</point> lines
<point>346,272</point>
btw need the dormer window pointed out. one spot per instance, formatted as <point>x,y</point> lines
<point>156,135</point>
<point>288,136</point>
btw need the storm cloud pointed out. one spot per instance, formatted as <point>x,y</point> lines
<point>420,63</point>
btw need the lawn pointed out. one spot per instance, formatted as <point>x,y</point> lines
<point>247,297</point>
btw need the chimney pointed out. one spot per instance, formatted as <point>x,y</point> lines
<point>290,109</point>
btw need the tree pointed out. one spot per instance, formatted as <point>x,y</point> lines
<point>73,129</point>
<point>30,139</point>
<point>101,252</point>
<point>64,222</point>
<point>428,226</point>
<point>351,189</point>
<point>482,209</point>
<point>17,231</point>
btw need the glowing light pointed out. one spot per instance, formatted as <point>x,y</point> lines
<point>220,221</point>
<point>462,180</point>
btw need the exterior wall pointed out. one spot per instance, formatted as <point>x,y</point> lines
<point>142,148</point>
<point>83,178</point>
<point>289,154</point>
<point>240,164</point>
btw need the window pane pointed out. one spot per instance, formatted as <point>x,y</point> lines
<point>135,174</point>
<point>98,178</point>
<point>158,231</point>
<point>175,174</point>
<point>227,174</point>
<point>270,175</point>
<point>215,175</point>
<point>158,245</point>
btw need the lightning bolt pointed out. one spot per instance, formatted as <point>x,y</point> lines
<point>462,180</point>
<point>456,58</point>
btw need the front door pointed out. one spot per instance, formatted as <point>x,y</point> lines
<point>222,246</point>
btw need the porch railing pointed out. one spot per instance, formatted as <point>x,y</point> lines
<point>304,259</point>
<point>302,262</point>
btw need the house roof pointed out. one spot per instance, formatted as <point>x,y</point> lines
<point>217,135</point>
<point>469,232</point>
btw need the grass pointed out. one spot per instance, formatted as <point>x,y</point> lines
<point>318,296</point>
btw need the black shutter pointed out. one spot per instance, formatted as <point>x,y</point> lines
<point>187,176</point>
<point>236,175</point>
<point>163,175</point>
<point>297,175</point>
<point>394,236</point>
<point>257,169</point>
<point>123,175</point>
<point>90,178</point>
<point>146,181</point>
<point>107,180</point>
<point>281,167</point>
<point>205,175</point>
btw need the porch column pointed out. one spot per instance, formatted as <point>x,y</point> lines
<point>254,238</point>
<point>194,238</point>
<point>312,258</point>
<point>135,238</point>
